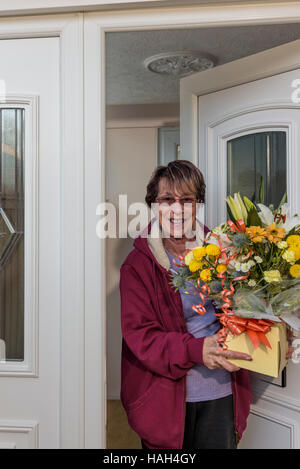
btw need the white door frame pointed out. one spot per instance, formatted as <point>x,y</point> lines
<point>69,29</point>
<point>233,73</point>
<point>280,59</point>
<point>96,25</point>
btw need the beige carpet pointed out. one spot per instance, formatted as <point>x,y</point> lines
<point>119,435</point>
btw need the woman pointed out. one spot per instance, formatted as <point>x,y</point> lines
<point>178,388</point>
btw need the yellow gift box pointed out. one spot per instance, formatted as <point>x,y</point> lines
<point>264,360</point>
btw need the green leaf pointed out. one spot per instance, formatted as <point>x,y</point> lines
<point>230,213</point>
<point>253,218</point>
<point>261,191</point>
<point>283,200</point>
<point>232,207</point>
<point>248,203</point>
<point>242,207</point>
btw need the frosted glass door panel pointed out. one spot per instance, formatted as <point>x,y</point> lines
<point>12,232</point>
<point>255,156</point>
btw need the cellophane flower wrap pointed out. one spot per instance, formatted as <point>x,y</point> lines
<point>250,268</point>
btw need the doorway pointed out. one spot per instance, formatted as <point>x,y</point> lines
<point>115,123</point>
<point>142,131</point>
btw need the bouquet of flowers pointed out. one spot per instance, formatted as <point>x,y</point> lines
<point>250,268</point>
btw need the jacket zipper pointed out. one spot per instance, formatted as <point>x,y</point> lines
<point>182,321</point>
<point>184,410</point>
<point>237,437</point>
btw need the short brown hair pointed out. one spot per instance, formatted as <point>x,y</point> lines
<point>177,172</point>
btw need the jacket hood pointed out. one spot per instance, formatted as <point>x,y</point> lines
<point>151,244</point>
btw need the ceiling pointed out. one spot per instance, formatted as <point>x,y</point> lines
<point>129,82</point>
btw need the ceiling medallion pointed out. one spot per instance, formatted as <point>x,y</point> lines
<point>180,63</point>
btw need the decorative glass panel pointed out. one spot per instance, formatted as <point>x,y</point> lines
<point>256,156</point>
<point>12,233</point>
<point>250,159</point>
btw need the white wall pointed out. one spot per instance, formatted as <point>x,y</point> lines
<point>19,7</point>
<point>131,156</point>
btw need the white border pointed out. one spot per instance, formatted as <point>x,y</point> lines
<point>10,7</point>
<point>96,25</point>
<point>69,29</point>
<point>29,366</point>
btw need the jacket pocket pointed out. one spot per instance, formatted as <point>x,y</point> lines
<point>143,398</point>
<point>158,416</point>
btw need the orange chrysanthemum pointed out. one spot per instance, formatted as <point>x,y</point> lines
<point>275,234</point>
<point>256,233</point>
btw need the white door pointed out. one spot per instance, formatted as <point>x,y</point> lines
<point>41,233</point>
<point>29,247</point>
<point>247,118</point>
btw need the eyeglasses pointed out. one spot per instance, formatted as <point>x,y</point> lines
<point>172,200</point>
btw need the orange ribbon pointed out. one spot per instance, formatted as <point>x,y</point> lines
<point>255,328</point>
<point>200,309</point>
<point>226,309</point>
<point>181,262</point>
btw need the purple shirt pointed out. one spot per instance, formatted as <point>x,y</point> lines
<point>202,384</point>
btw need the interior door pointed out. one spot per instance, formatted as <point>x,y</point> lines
<point>248,128</point>
<point>29,243</point>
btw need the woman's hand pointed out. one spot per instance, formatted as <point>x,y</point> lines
<point>214,357</point>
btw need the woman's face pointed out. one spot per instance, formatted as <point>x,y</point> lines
<point>176,217</point>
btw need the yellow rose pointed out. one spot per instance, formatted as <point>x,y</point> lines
<point>221,268</point>
<point>212,250</point>
<point>195,265</point>
<point>199,252</point>
<point>205,275</point>
<point>272,276</point>
<point>295,270</point>
<point>188,258</point>
<point>289,256</point>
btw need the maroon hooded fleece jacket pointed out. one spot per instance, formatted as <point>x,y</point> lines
<point>157,352</point>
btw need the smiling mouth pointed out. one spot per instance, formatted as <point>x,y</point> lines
<point>177,221</point>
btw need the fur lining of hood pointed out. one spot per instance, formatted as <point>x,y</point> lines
<point>155,242</point>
